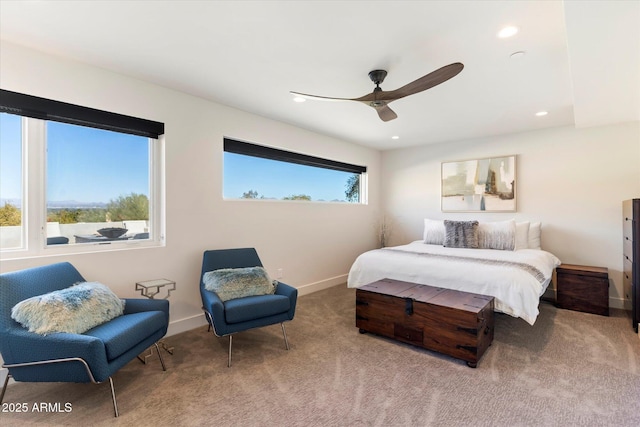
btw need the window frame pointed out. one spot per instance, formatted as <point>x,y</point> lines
<point>34,178</point>
<point>235,146</point>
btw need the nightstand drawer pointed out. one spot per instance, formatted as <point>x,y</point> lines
<point>583,288</point>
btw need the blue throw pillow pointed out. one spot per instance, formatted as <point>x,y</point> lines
<point>231,283</point>
<point>75,309</point>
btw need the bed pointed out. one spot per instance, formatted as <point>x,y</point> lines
<point>516,275</point>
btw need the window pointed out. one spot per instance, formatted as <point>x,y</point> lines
<point>257,172</point>
<point>91,175</point>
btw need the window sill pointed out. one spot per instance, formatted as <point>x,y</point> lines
<point>80,248</point>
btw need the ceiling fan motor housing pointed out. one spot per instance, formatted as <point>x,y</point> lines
<point>377,76</point>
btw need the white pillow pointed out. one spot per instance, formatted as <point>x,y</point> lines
<point>534,235</point>
<point>433,232</point>
<point>499,235</point>
<point>522,235</point>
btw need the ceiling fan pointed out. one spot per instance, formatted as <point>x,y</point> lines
<point>380,99</point>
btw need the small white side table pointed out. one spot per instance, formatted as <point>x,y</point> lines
<point>149,289</point>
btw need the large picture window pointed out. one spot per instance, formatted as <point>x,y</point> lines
<point>257,172</point>
<point>93,177</point>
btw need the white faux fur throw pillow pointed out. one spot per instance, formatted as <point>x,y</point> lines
<point>232,283</point>
<point>75,309</point>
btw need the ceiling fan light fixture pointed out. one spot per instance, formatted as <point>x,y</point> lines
<point>508,31</point>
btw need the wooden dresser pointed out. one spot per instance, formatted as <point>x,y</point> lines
<point>631,255</point>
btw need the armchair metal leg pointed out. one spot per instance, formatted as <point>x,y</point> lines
<point>286,341</point>
<point>160,356</point>
<point>4,387</point>
<point>113,397</point>
<point>150,353</point>
<point>230,344</point>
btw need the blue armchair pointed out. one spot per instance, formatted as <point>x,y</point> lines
<point>93,356</point>
<point>250,312</point>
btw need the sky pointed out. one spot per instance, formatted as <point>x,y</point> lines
<point>10,155</point>
<point>83,164</point>
<point>91,165</point>
<point>275,179</point>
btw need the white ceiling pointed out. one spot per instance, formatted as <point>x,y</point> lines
<point>582,61</point>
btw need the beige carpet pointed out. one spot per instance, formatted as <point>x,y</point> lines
<point>570,368</point>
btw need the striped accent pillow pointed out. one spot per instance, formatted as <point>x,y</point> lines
<point>499,235</point>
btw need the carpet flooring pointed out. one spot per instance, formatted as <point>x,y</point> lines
<point>568,369</point>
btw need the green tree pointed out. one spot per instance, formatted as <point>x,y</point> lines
<point>251,194</point>
<point>297,197</point>
<point>353,188</point>
<point>69,216</point>
<point>92,215</point>
<point>10,215</point>
<point>133,206</point>
<point>65,216</point>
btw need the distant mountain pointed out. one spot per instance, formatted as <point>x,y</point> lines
<point>61,204</point>
<point>73,204</point>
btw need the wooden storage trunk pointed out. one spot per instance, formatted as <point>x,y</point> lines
<point>583,288</point>
<point>459,324</point>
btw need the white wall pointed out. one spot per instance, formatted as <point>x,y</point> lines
<point>573,180</point>
<point>314,243</point>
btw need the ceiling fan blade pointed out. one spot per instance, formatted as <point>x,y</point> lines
<point>385,113</point>
<point>432,79</point>
<point>319,98</point>
<point>428,81</point>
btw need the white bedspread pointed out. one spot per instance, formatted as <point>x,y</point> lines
<point>517,279</point>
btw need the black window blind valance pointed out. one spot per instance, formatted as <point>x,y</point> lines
<point>47,109</point>
<point>238,147</point>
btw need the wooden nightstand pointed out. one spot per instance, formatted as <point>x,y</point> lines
<point>583,288</point>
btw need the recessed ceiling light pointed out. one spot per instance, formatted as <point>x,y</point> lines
<point>395,137</point>
<point>299,99</point>
<point>507,32</point>
<point>541,113</point>
<point>517,55</point>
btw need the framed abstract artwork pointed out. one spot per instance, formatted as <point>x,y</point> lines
<point>482,185</point>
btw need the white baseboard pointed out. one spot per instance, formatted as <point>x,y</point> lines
<point>3,376</point>
<point>621,303</point>
<point>323,284</point>
<point>187,324</point>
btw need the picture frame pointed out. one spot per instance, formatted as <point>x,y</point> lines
<point>479,185</point>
